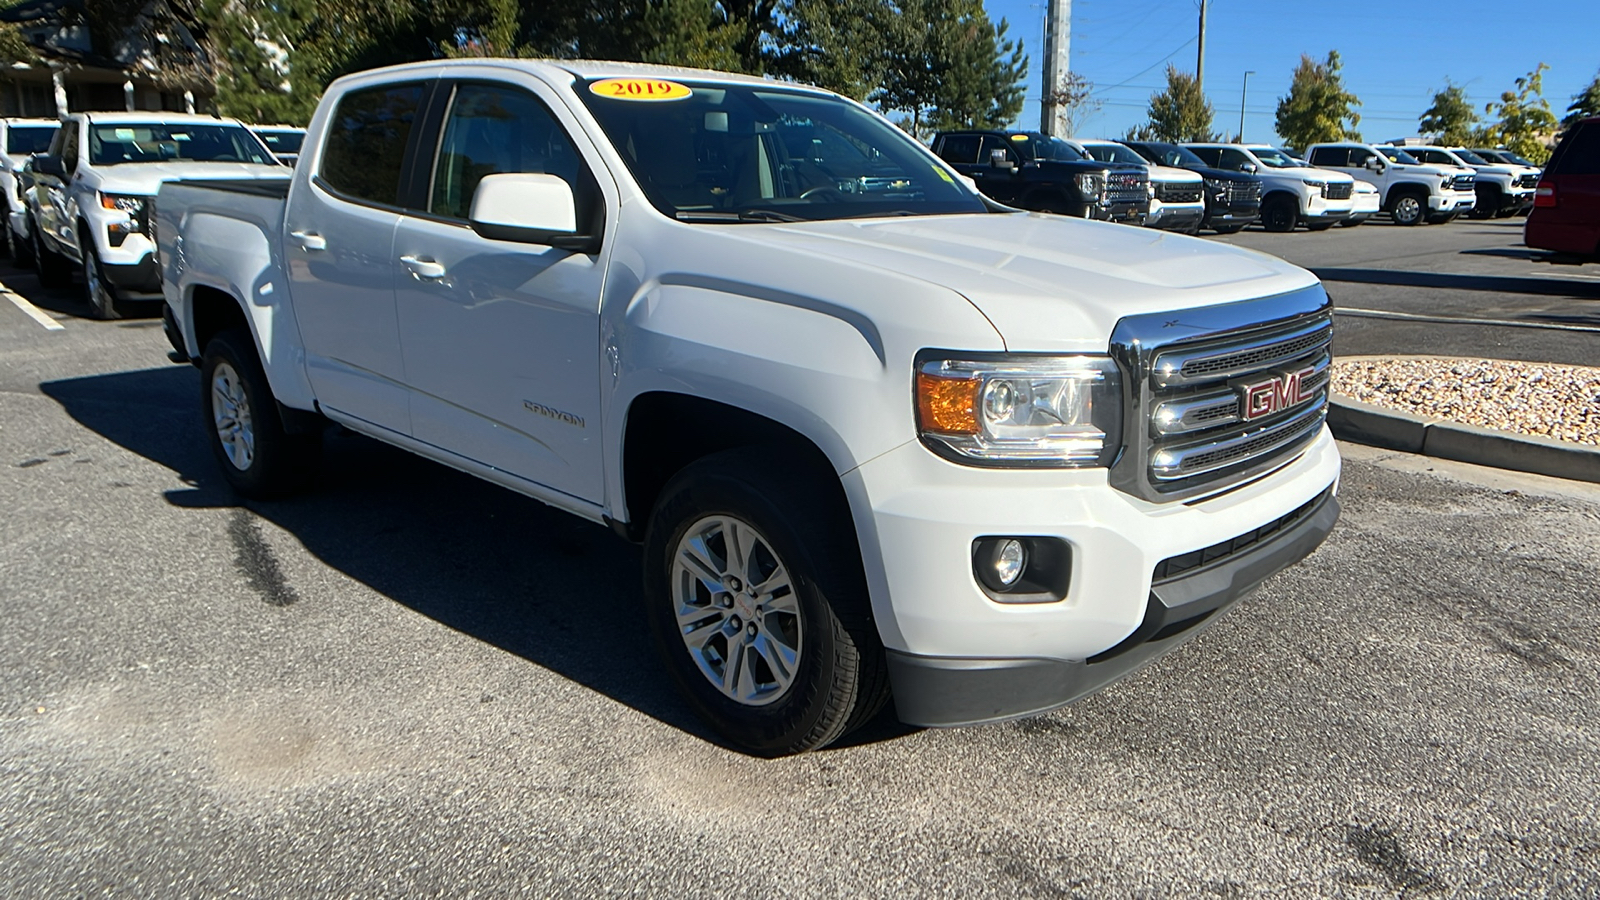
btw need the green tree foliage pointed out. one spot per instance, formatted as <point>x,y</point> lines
<point>1179,113</point>
<point>1317,105</point>
<point>1451,117</point>
<point>945,65</point>
<point>1522,120</point>
<point>1585,103</point>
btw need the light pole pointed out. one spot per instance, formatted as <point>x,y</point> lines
<point>1243,93</point>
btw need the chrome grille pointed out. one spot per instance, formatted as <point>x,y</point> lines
<point>1530,179</point>
<point>1464,182</point>
<point>1334,190</point>
<point>1190,429</point>
<point>1244,192</point>
<point>1127,187</point>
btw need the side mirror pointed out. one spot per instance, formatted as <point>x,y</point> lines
<point>1247,168</point>
<point>1375,163</point>
<point>999,160</point>
<point>49,165</point>
<point>529,209</point>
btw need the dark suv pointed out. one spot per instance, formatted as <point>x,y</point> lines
<point>1566,206</point>
<point>1233,198</point>
<point>1030,170</point>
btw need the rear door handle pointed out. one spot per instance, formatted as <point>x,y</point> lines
<point>310,240</point>
<point>425,269</point>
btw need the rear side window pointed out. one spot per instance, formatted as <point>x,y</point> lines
<point>1330,156</point>
<point>960,149</point>
<point>366,144</point>
<point>1579,153</point>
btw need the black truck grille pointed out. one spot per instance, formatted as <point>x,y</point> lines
<point>1338,191</point>
<point>1530,179</point>
<point>1178,193</point>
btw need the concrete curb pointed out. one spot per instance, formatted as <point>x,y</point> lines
<point>1363,423</point>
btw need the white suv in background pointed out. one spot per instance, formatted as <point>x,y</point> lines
<point>1501,190</point>
<point>91,203</point>
<point>20,139</point>
<point>1292,193</point>
<point>1413,192</point>
<point>1177,196</point>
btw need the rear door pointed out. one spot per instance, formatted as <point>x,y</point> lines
<point>1574,171</point>
<point>502,339</point>
<point>339,227</point>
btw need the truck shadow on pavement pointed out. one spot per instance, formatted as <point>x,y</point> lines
<point>1499,284</point>
<point>531,580</point>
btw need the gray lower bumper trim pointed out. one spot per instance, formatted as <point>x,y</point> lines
<point>946,691</point>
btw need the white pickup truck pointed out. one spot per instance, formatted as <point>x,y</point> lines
<point>1413,192</point>
<point>873,430</point>
<point>1292,193</point>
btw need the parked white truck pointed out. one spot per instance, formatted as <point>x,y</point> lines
<point>873,430</point>
<point>1502,190</point>
<point>1413,192</point>
<point>1292,193</point>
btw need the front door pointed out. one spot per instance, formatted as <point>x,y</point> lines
<point>502,339</point>
<point>340,233</point>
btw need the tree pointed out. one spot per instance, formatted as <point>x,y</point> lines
<point>1585,103</point>
<point>1522,118</point>
<point>1074,96</point>
<point>1317,105</point>
<point>1451,116</point>
<point>946,66</point>
<point>1179,113</point>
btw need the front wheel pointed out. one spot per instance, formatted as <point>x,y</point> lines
<point>55,270</point>
<point>1409,209</point>
<point>758,603</point>
<point>258,457</point>
<point>1280,214</point>
<point>102,302</point>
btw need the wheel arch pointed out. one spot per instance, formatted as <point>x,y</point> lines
<point>1404,189</point>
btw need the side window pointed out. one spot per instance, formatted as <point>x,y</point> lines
<point>1359,157</point>
<point>69,148</point>
<point>960,149</point>
<point>1211,156</point>
<point>1330,156</point>
<point>991,144</point>
<point>1233,159</point>
<point>496,129</point>
<point>366,141</point>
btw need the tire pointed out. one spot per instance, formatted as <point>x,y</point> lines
<point>1487,205</point>
<point>258,458</point>
<point>1230,228</point>
<point>1280,214</point>
<point>1409,208</point>
<point>55,270</point>
<point>822,672</point>
<point>97,291</point>
<point>22,250</point>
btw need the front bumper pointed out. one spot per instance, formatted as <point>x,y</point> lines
<point>945,691</point>
<point>1130,213</point>
<point>1175,216</point>
<point>142,277</point>
<point>1452,202</point>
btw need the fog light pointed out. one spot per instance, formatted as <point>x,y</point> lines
<point>1009,562</point>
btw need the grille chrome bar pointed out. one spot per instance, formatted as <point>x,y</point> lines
<point>1172,463</point>
<point>1212,410</point>
<point>1212,363</point>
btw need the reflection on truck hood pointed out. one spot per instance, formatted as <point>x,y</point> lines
<point>1046,282</point>
<point>146,178</point>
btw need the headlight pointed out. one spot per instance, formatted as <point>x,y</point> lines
<point>1445,182</point>
<point>1062,411</point>
<point>133,206</point>
<point>1089,185</point>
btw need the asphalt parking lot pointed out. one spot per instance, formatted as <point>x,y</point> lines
<point>413,683</point>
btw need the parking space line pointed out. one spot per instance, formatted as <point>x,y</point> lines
<point>1460,320</point>
<point>33,312</point>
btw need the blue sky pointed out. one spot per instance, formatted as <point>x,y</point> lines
<point>1395,54</point>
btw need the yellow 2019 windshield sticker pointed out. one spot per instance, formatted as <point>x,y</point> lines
<point>939,171</point>
<point>640,89</point>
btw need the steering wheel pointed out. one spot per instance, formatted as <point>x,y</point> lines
<point>826,192</point>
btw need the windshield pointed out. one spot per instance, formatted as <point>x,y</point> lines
<point>25,139</point>
<point>1051,149</point>
<point>1114,153</point>
<point>1273,158</point>
<point>1519,160</point>
<point>748,152</point>
<point>1396,155</point>
<point>1471,159</point>
<point>280,142</point>
<point>1170,155</point>
<point>136,142</point>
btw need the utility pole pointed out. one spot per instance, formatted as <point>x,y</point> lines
<point>1200,61</point>
<point>1057,56</point>
<point>1243,92</point>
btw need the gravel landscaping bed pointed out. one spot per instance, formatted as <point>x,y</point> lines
<point>1542,399</point>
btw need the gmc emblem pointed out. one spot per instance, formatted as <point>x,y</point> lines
<point>1276,394</point>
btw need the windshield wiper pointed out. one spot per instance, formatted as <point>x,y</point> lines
<point>743,215</point>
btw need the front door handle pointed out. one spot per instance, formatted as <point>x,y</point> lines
<point>310,240</point>
<point>424,269</point>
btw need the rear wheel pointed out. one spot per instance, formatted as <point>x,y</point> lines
<point>757,600</point>
<point>1410,208</point>
<point>1280,214</point>
<point>21,248</point>
<point>258,458</point>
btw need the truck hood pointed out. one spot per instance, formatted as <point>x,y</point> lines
<point>146,178</point>
<point>1047,283</point>
<point>1170,175</point>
